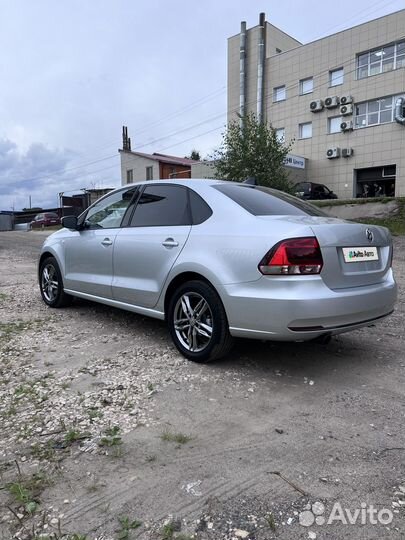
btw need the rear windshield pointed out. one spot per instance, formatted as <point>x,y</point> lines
<point>262,201</point>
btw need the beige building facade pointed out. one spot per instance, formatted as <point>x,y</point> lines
<point>341,99</point>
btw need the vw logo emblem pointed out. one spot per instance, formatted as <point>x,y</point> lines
<point>369,234</point>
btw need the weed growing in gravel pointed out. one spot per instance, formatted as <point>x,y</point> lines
<point>27,490</point>
<point>126,527</point>
<point>169,529</point>
<point>44,451</point>
<point>72,436</point>
<point>3,297</point>
<point>178,438</point>
<point>55,536</point>
<point>111,437</point>
<point>270,522</point>
<point>12,329</point>
<point>94,413</point>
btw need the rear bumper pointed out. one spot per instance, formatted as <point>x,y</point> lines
<point>302,308</point>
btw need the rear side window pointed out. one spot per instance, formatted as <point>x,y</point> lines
<point>262,201</point>
<point>162,205</point>
<point>200,210</point>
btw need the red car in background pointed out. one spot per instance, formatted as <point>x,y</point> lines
<point>46,219</point>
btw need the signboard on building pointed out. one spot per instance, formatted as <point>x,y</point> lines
<point>297,162</point>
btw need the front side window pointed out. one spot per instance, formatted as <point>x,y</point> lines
<point>280,134</point>
<point>381,60</point>
<point>109,211</point>
<point>306,86</point>
<point>162,205</point>
<point>334,124</point>
<point>336,77</point>
<point>279,93</point>
<point>305,130</point>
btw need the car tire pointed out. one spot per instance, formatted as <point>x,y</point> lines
<point>198,323</point>
<point>51,284</point>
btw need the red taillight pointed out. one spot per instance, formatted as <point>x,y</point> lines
<point>294,256</point>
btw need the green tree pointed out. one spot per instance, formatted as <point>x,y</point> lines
<point>251,148</point>
<point>195,154</point>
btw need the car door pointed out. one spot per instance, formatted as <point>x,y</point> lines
<point>147,248</point>
<point>89,251</point>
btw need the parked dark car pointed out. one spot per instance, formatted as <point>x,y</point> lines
<point>46,219</point>
<point>310,190</point>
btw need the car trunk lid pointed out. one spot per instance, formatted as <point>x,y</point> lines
<point>354,254</point>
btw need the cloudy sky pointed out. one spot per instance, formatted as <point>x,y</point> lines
<point>72,72</point>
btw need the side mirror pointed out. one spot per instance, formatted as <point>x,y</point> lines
<point>70,222</point>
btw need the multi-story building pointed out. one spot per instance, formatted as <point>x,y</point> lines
<point>341,99</point>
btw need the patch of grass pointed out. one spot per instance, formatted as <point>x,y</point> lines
<point>3,297</point>
<point>127,525</point>
<point>179,438</point>
<point>111,437</point>
<point>12,329</point>
<point>396,224</point>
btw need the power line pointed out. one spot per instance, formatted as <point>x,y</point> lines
<point>358,15</point>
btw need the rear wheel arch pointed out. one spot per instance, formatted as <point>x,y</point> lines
<point>197,319</point>
<point>179,280</point>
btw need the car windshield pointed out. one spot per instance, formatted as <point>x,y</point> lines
<point>263,201</point>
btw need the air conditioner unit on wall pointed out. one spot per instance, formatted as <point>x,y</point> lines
<point>346,109</point>
<point>344,100</point>
<point>333,152</point>
<point>331,102</point>
<point>347,125</point>
<point>347,152</point>
<point>316,105</point>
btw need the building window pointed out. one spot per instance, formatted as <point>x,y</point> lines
<point>280,134</point>
<point>130,176</point>
<point>381,60</point>
<point>279,93</point>
<point>306,86</point>
<point>334,124</point>
<point>149,173</point>
<point>377,111</point>
<point>305,130</point>
<point>336,77</point>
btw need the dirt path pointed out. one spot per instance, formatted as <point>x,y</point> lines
<point>104,425</point>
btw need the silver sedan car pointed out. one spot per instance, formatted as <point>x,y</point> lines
<point>219,260</point>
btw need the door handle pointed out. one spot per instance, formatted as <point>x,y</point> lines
<point>106,242</point>
<point>170,242</point>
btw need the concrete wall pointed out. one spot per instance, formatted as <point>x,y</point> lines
<point>203,169</point>
<point>373,146</point>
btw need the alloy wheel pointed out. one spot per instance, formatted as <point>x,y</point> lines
<point>49,283</point>
<point>193,321</point>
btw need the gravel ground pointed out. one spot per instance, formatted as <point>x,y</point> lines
<point>107,433</point>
